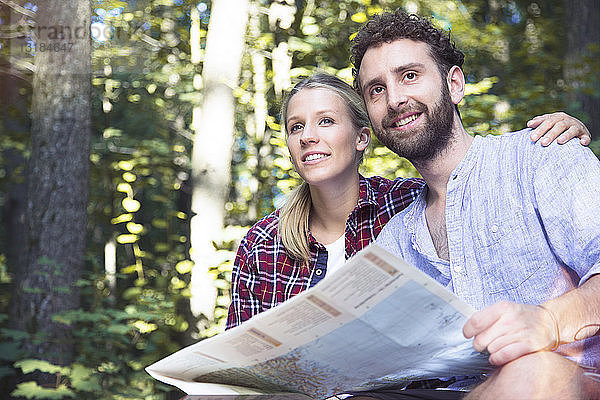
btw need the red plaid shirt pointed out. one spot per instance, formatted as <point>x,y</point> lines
<point>264,275</point>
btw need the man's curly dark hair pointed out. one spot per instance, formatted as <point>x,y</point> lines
<point>390,26</point>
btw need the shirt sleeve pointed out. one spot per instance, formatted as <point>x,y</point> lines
<point>244,302</point>
<point>566,183</point>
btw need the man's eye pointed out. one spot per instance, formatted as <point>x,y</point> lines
<point>411,76</point>
<point>376,90</point>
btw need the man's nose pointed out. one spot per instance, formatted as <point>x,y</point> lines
<point>309,135</point>
<point>396,98</point>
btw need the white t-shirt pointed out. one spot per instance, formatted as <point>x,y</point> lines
<point>336,254</point>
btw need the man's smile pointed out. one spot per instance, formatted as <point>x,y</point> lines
<point>405,121</point>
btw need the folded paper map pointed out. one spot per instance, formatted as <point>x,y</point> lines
<point>376,322</point>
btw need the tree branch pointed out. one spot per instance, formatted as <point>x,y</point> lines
<point>18,8</point>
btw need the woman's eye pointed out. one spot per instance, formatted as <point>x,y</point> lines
<point>295,128</point>
<point>326,121</point>
<point>411,76</point>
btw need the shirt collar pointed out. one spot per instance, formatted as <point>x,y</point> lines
<point>366,194</point>
<point>469,160</point>
<point>417,207</point>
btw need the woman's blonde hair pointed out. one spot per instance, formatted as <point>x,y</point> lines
<point>295,213</point>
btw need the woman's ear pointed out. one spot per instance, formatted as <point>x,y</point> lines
<point>363,138</point>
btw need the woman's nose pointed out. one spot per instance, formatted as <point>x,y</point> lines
<point>309,135</point>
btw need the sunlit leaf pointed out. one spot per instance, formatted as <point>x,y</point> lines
<point>30,365</point>
<point>480,87</point>
<point>31,390</point>
<point>124,188</point>
<point>134,228</point>
<point>129,177</point>
<point>129,269</point>
<point>130,205</point>
<point>177,283</point>
<point>125,165</point>
<point>111,132</point>
<point>144,327</point>
<point>127,238</point>
<point>359,17</point>
<point>372,10</point>
<point>121,218</point>
<point>284,163</point>
<point>185,266</point>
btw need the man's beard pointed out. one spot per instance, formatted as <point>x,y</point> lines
<point>431,140</point>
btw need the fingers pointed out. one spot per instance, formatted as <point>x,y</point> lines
<point>509,353</point>
<point>571,132</point>
<point>535,121</point>
<point>483,319</point>
<point>548,130</point>
<point>509,330</point>
<point>549,127</point>
<point>493,338</point>
<point>512,345</point>
<point>585,140</point>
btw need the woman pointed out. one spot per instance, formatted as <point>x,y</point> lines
<point>336,212</point>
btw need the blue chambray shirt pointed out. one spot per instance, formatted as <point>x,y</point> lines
<point>523,224</point>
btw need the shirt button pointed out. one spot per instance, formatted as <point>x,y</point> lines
<point>494,228</point>
<point>458,269</point>
<point>319,272</point>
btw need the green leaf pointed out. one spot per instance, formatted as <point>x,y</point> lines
<point>32,290</point>
<point>120,329</point>
<point>70,317</point>
<point>85,379</point>
<point>30,365</point>
<point>14,334</point>
<point>31,390</point>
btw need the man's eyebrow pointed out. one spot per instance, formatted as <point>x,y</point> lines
<point>405,67</point>
<point>397,70</point>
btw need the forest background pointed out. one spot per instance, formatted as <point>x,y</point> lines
<point>132,164</point>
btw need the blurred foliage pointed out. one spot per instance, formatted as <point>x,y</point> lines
<point>144,93</point>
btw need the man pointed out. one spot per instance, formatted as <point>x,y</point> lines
<point>510,227</point>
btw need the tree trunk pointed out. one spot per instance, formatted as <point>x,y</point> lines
<point>14,124</point>
<point>583,39</point>
<point>213,141</point>
<point>58,174</point>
